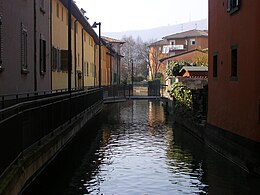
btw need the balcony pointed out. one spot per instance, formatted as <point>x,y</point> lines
<point>170,48</point>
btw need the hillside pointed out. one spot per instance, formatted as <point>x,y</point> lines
<point>159,32</point>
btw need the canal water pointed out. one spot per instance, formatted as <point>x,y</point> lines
<point>134,148</point>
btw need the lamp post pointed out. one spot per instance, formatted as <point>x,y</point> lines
<point>99,50</point>
<point>69,46</point>
<point>132,78</point>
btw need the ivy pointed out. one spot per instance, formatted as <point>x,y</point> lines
<point>181,94</point>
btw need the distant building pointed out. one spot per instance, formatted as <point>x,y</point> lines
<point>234,81</point>
<point>185,41</point>
<point>114,58</point>
<point>173,45</point>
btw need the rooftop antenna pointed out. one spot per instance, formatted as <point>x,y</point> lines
<point>196,25</point>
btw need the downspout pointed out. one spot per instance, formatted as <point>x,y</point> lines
<point>117,68</point>
<point>35,46</point>
<point>51,43</point>
<point>111,79</point>
<point>75,54</point>
<point>82,64</point>
<point>95,74</point>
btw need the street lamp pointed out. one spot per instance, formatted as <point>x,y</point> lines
<point>99,50</point>
<point>69,46</point>
<point>132,63</point>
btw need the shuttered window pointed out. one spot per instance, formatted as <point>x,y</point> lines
<point>42,56</point>
<point>1,46</point>
<point>64,60</point>
<point>24,52</point>
<point>233,6</point>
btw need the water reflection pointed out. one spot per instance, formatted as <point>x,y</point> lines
<point>135,149</point>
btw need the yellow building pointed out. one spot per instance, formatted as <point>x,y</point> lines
<point>83,41</point>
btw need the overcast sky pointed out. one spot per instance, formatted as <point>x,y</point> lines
<point>125,15</point>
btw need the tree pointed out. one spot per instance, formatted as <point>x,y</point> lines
<point>154,55</point>
<point>137,51</point>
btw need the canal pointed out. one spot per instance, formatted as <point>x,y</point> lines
<point>134,148</point>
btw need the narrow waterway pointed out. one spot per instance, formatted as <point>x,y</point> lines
<point>134,148</point>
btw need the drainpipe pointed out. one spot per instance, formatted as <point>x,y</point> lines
<point>75,53</point>
<point>111,78</point>
<point>35,46</point>
<point>50,47</point>
<point>69,47</point>
<point>82,64</point>
<point>95,65</point>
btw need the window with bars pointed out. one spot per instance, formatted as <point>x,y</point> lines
<point>1,46</point>
<point>233,6</point>
<point>24,52</point>
<point>43,56</point>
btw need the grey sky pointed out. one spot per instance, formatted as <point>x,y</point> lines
<point>123,15</point>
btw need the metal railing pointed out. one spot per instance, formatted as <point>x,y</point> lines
<point>7,100</point>
<point>117,91</point>
<point>26,123</point>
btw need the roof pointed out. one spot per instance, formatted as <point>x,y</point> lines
<point>180,54</point>
<point>159,43</point>
<point>195,68</point>
<point>188,34</point>
<point>81,18</point>
<point>112,40</point>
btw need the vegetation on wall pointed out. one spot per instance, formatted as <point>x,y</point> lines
<point>181,95</point>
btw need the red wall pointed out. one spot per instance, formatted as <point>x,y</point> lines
<point>234,105</point>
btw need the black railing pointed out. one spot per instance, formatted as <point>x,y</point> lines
<point>7,100</point>
<point>117,91</point>
<point>26,123</point>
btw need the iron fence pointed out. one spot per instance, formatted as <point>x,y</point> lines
<point>25,124</point>
<point>118,91</point>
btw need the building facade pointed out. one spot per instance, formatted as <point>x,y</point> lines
<point>234,92</point>
<point>25,46</point>
<point>34,48</point>
<point>175,45</point>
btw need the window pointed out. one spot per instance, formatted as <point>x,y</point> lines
<point>24,35</point>
<point>42,56</point>
<point>58,10</point>
<point>1,46</point>
<point>54,58</point>
<point>56,61</point>
<point>62,13</point>
<point>192,42</point>
<point>173,42</point>
<point>87,69</point>
<point>64,60</point>
<point>85,37</point>
<point>233,6</point>
<point>76,27</point>
<point>186,42</point>
<point>215,65</point>
<point>234,62</point>
<point>42,5</point>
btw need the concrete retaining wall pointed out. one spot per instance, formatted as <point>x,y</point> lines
<point>241,151</point>
<point>37,157</point>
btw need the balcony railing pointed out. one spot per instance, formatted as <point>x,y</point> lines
<point>169,48</point>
